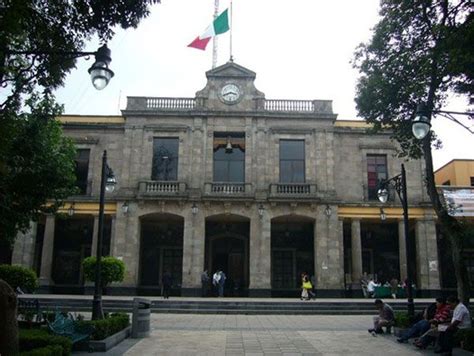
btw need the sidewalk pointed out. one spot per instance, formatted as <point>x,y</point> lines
<point>188,334</point>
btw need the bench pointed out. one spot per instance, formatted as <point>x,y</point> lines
<point>30,308</point>
<point>64,326</point>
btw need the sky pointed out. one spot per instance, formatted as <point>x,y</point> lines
<point>299,51</point>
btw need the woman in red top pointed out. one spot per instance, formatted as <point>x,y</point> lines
<point>442,315</point>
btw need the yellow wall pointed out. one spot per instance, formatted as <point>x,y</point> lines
<point>79,119</point>
<point>458,172</point>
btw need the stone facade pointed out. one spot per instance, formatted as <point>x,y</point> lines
<point>332,198</point>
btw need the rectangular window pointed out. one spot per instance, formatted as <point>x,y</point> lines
<point>292,161</point>
<point>165,159</point>
<point>376,172</point>
<point>82,170</point>
<point>229,157</point>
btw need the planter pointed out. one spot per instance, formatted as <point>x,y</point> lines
<point>107,343</point>
<point>398,331</point>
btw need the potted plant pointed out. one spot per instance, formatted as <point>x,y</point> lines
<point>402,323</point>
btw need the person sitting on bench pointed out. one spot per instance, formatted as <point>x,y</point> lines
<point>385,317</point>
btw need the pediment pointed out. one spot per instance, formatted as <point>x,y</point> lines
<point>230,70</point>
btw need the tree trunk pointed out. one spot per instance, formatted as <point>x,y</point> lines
<point>450,227</point>
<point>8,324</point>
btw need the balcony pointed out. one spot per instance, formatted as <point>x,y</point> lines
<point>154,188</point>
<point>225,189</point>
<point>293,190</point>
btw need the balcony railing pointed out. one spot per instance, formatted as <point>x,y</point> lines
<point>323,106</point>
<point>227,189</point>
<point>161,188</point>
<point>293,190</point>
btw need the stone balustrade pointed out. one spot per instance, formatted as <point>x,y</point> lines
<point>227,189</point>
<point>161,188</point>
<point>293,189</point>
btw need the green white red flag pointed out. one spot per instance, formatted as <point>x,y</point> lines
<point>218,26</point>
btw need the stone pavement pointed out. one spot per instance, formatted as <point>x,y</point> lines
<point>188,334</point>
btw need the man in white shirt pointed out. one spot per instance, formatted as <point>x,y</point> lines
<point>461,320</point>
<point>371,287</point>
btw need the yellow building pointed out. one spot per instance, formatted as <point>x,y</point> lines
<point>457,172</point>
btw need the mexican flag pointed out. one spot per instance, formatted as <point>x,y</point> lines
<point>220,25</point>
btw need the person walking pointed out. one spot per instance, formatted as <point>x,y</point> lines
<point>221,283</point>
<point>204,283</point>
<point>166,282</point>
<point>307,287</point>
<point>215,282</point>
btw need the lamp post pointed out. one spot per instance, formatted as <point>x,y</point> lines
<point>400,184</point>
<point>99,71</point>
<point>107,183</point>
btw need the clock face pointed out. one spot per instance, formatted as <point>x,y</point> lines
<point>230,93</point>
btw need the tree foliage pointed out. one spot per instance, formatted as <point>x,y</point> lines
<point>421,50</point>
<point>112,269</point>
<point>36,161</point>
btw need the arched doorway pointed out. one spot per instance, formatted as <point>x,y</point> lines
<point>227,243</point>
<point>161,250</point>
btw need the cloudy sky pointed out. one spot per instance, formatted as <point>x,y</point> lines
<point>299,51</point>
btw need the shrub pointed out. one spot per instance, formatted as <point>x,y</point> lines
<point>402,320</point>
<point>466,337</point>
<point>51,350</point>
<point>112,269</point>
<point>108,326</point>
<point>40,338</point>
<point>19,276</point>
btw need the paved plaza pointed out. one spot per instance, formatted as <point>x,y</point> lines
<point>188,334</point>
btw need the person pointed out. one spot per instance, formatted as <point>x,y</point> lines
<point>371,287</point>
<point>461,320</point>
<point>166,282</point>
<point>394,287</point>
<point>221,283</point>
<point>307,288</point>
<point>363,284</point>
<point>215,281</point>
<point>436,313</point>
<point>204,283</point>
<point>385,317</point>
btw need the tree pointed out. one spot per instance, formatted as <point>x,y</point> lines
<point>112,269</point>
<point>36,161</point>
<point>420,51</point>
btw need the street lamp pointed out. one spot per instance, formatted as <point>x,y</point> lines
<point>399,182</point>
<point>421,124</point>
<point>99,71</point>
<point>107,183</point>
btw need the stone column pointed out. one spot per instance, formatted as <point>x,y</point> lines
<point>112,235</point>
<point>95,236</point>
<point>260,255</point>
<point>126,246</point>
<point>193,252</point>
<point>402,250</point>
<point>427,255</point>
<point>356,253</point>
<point>24,247</point>
<point>47,252</point>
<point>329,253</point>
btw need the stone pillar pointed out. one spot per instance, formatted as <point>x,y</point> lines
<point>402,250</point>
<point>193,252</point>
<point>356,253</point>
<point>329,253</point>
<point>24,247</point>
<point>427,255</point>
<point>126,246</point>
<point>112,235</point>
<point>260,255</point>
<point>95,236</point>
<point>47,252</point>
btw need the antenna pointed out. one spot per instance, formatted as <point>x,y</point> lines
<point>214,39</point>
<point>231,26</point>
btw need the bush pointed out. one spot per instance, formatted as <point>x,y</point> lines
<point>112,269</point>
<point>19,276</point>
<point>40,338</point>
<point>402,320</point>
<point>466,337</point>
<point>51,350</point>
<point>108,326</point>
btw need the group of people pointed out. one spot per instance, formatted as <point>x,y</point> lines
<point>218,282</point>
<point>369,285</point>
<point>437,324</point>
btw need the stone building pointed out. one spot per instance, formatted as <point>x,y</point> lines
<point>262,189</point>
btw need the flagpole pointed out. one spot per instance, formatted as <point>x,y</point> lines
<point>214,39</point>
<point>231,26</point>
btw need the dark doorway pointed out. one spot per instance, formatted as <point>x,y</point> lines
<point>227,244</point>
